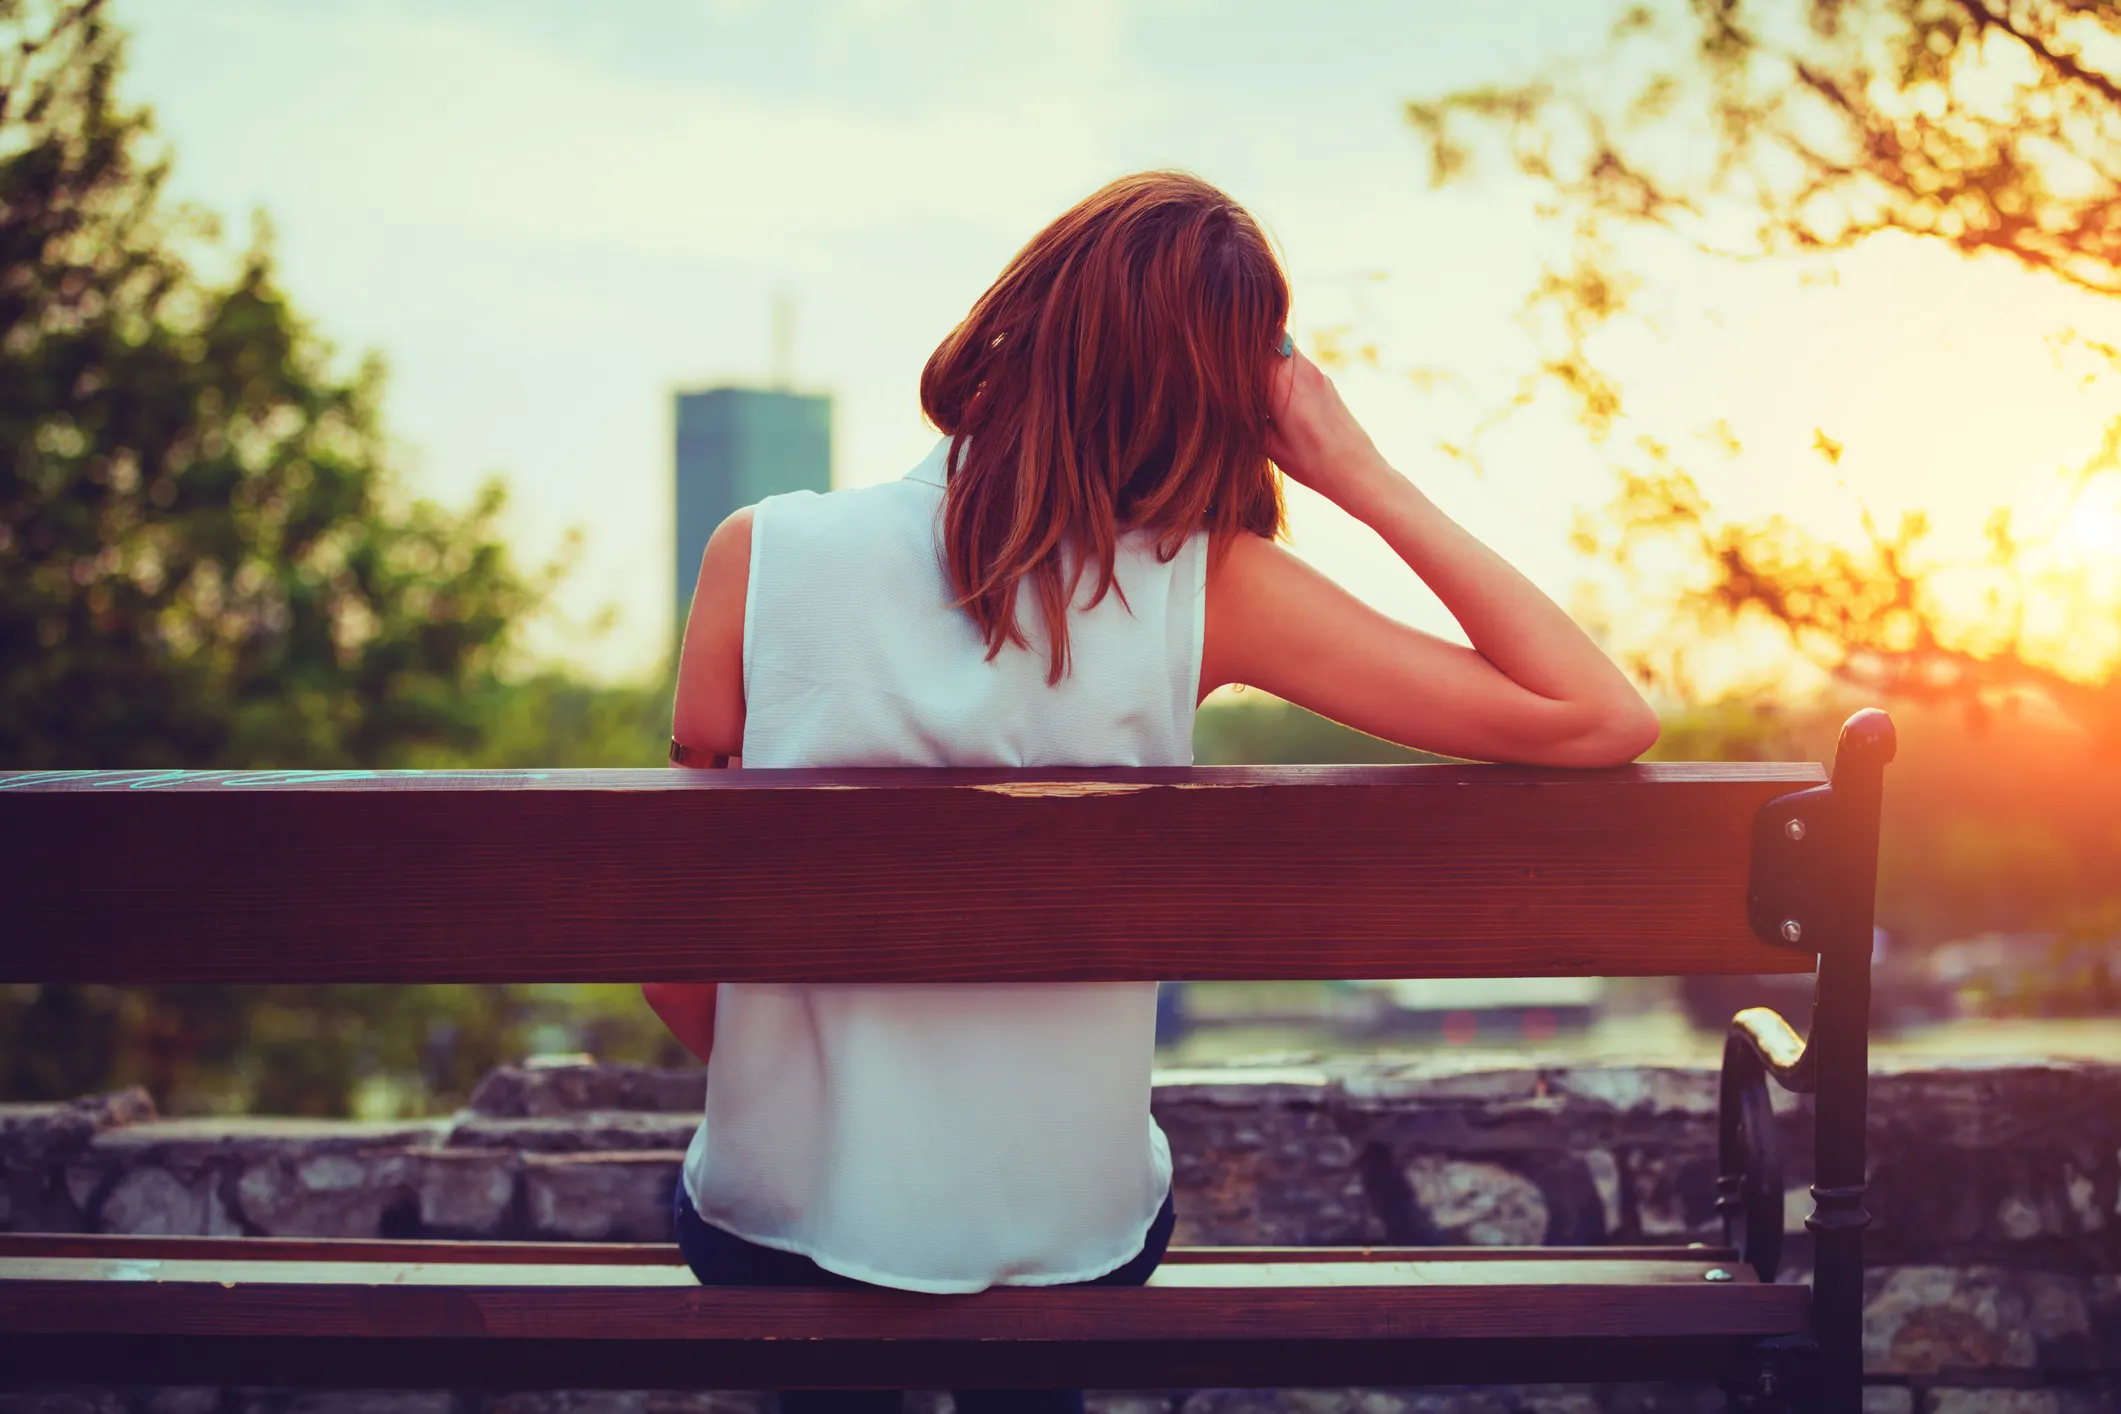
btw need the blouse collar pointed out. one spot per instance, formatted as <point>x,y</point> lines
<point>934,469</point>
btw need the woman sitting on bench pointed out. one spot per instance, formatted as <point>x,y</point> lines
<point>1088,552</point>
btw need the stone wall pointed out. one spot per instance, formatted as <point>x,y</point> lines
<point>1996,1191</point>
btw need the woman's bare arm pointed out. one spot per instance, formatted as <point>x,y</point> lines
<point>708,716</point>
<point>1533,688</point>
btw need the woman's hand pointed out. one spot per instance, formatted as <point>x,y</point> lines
<point>1533,687</point>
<point>1315,440</point>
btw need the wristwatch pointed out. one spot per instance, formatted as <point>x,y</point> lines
<point>683,755</point>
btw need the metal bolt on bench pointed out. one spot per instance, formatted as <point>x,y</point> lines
<point>964,876</point>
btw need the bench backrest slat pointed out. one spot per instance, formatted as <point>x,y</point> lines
<point>1259,873</point>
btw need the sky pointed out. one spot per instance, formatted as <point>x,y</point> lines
<point>548,216</point>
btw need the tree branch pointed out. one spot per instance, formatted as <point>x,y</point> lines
<point>2068,63</point>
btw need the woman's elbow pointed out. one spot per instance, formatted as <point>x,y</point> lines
<point>1617,737</point>
<point>1585,736</point>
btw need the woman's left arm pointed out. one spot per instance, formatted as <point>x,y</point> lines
<point>708,719</point>
<point>708,716</point>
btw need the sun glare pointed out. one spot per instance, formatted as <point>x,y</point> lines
<point>2093,526</point>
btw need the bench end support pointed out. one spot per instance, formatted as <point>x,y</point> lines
<point>1814,889</point>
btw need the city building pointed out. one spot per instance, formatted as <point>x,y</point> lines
<point>735,446</point>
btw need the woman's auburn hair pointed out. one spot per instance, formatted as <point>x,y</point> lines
<point>1113,380</point>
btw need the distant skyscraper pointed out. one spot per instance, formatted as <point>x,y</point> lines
<point>735,446</point>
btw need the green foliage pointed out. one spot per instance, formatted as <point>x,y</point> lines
<point>204,558</point>
<point>206,561</point>
<point>1257,730</point>
<point>550,719</point>
<point>1740,729</point>
<point>374,1050</point>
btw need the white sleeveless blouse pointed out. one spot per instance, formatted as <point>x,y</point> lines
<point>928,1137</point>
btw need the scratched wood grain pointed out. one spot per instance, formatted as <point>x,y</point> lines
<point>882,876</point>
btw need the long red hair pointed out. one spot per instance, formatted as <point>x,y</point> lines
<point>1113,380</point>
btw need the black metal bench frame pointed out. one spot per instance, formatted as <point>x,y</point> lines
<point>152,877</point>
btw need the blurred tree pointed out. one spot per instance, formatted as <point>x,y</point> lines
<point>1772,126</point>
<point>1887,618</point>
<point>204,558</point>
<point>552,719</point>
<point>1762,128</point>
<point>1752,128</point>
<point>376,1050</point>
<point>206,561</point>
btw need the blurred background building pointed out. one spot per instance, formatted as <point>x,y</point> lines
<point>736,445</point>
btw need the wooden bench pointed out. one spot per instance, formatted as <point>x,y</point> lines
<point>935,876</point>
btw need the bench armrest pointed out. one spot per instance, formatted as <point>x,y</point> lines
<point>1776,1047</point>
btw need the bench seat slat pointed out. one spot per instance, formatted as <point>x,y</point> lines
<point>1286,1320</point>
<point>1251,874</point>
<point>1288,1273</point>
<point>1225,1301</point>
<point>356,1249</point>
<point>699,1362</point>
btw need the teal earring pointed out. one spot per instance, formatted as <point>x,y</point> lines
<point>1288,345</point>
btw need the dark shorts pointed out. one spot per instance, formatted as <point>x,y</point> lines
<point>720,1258</point>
